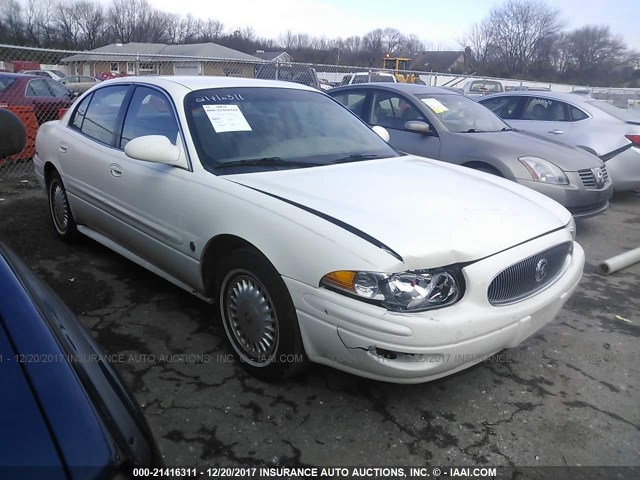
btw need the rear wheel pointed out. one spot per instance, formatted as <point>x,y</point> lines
<point>60,211</point>
<point>259,317</point>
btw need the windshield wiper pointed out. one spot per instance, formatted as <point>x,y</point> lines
<point>266,162</point>
<point>507,129</point>
<point>357,157</point>
<point>473,130</point>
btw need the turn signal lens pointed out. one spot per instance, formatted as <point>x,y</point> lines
<point>635,139</point>
<point>341,279</point>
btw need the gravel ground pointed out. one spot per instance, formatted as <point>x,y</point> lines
<point>569,395</point>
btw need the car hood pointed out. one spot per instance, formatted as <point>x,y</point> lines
<point>511,145</point>
<point>429,212</point>
<point>23,423</point>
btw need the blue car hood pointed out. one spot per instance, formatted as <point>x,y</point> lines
<point>21,421</point>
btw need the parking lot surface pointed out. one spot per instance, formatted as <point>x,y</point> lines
<point>568,395</point>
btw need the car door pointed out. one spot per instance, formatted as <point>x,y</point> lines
<point>391,110</point>
<point>545,116</point>
<point>86,154</point>
<point>151,199</point>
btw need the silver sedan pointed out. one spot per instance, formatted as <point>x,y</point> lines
<point>440,124</point>
<point>610,132</point>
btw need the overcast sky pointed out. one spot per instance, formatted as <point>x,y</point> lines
<point>437,22</point>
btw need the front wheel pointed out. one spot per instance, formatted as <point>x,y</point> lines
<point>60,211</point>
<point>259,317</point>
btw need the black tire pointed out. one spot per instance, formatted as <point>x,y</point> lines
<point>258,316</point>
<point>59,210</point>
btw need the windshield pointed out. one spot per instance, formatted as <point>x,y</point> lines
<point>623,114</point>
<point>460,114</point>
<point>284,128</point>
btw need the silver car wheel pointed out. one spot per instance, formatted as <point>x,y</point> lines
<point>249,317</point>
<point>59,206</point>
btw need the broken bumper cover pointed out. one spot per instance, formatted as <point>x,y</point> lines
<point>370,341</point>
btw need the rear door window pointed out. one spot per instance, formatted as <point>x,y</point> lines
<point>57,90</point>
<point>577,114</point>
<point>37,88</point>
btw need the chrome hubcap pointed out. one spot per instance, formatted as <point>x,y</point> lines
<point>59,207</point>
<point>250,317</point>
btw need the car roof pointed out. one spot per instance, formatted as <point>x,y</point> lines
<point>569,97</point>
<point>204,82</point>
<point>18,75</point>
<point>373,73</point>
<point>406,88</point>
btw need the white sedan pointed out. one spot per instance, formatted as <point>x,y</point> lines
<point>318,240</point>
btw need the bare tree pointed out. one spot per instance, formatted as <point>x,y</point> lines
<point>509,39</point>
<point>392,40</point>
<point>594,52</point>
<point>518,27</point>
<point>372,45</point>
<point>211,30</point>
<point>11,22</point>
<point>90,18</point>
<point>412,45</point>
<point>68,27</point>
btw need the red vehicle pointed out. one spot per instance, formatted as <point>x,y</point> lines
<point>44,95</point>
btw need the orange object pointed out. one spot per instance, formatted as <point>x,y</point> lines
<point>31,126</point>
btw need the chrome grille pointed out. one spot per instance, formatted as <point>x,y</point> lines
<point>589,179</point>
<point>529,276</point>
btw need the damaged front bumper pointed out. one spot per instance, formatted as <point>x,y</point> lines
<point>373,342</point>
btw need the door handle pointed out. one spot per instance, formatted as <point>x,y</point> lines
<point>116,170</point>
<point>63,148</point>
<point>556,131</point>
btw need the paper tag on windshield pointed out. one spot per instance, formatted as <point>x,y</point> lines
<point>226,118</point>
<point>434,105</point>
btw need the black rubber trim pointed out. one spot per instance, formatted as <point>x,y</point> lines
<point>610,155</point>
<point>333,220</point>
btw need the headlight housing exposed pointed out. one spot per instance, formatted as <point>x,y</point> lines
<point>411,291</point>
<point>544,171</point>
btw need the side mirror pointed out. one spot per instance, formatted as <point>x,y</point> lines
<point>382,132</point>
<point>13,136</point>
<point>417,126</point>
<point>153,148</point>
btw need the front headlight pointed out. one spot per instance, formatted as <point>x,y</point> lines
<point>571,226</point>
<point>544,171</point>
<point>409,291</point>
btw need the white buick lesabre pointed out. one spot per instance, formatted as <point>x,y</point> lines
<point>317,239</point>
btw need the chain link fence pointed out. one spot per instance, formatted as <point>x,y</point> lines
<point>57,77</point>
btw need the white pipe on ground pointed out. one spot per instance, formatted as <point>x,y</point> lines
<point>619,261</point>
